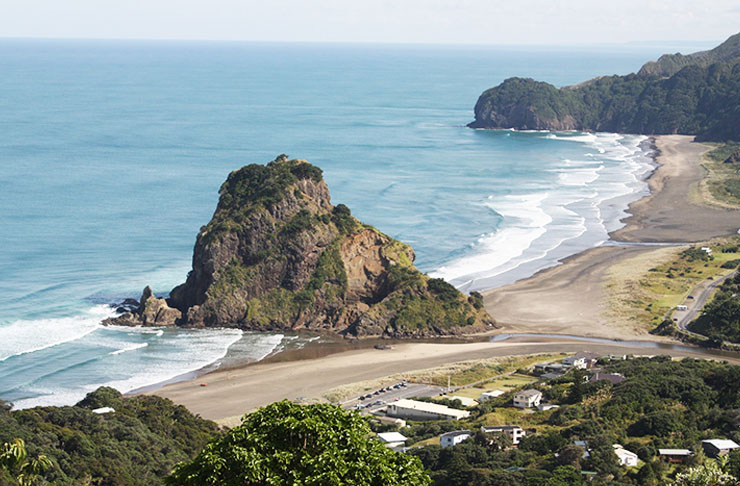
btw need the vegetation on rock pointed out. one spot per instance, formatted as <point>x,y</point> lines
<point>278,255</point>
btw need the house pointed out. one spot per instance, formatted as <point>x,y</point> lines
<point>575,362</point>
<point>589,358</point>
<point>485,396</point>
<point>544,407</point>
<point>626,458</point>
<point>614,378</point>
<point>675,456</point>
<point>415,410</point>
<point>393,440</point>
<point>464,401</point>
<point>584,445</point>
<point>541,368</point>
<point>390,420</point>
<point>453,438</point>
<point>103,410</point>
<point>718,447</point>
<point>513,431</point>
<point>706,250</point>
<point>527,398</point>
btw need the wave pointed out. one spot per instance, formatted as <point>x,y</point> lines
<point>587,200</point>
<point>29,336</point>
<point>133,347</point>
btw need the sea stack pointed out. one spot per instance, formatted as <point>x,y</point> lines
<point>277,255</point>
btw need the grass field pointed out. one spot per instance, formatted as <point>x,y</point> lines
<point>643,289</point>
<point>505,383</point>
<point>721,187</point>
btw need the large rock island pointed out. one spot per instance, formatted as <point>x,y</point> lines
<point>277,255</point>
<point>698,94</point>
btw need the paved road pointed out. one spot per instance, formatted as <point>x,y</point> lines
<point>696,305</point>
<point>410,390</point>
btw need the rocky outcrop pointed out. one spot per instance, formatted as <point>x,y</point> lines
<point>149,311</point>
<point>277,255</point>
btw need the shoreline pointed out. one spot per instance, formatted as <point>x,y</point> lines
<point>564,305</point>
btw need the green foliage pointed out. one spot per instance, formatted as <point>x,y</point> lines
<point>698,100</point>
<point>444,291</point>
<point>693,253</point>
<point>732,264</point>
<point>342,218</point>
<point>253,187</point>
<point>302,221</point>
<point>720,319</point>
<point>476,299</point>
<point>137,444</point>
<point>289,444</point>
<point>14,459</point>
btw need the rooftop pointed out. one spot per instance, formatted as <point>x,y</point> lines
<point>456,433</point>
<point>674,452</point>
<point>392,437</point>
<point>722,444</point>
<point>529,393</point>
<point>492,428</point>
<point>430,408</point>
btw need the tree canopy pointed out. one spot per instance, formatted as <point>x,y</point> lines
<point>289,444</point>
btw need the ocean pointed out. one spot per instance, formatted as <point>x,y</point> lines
<point>113,152</point>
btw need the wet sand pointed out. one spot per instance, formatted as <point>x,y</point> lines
<point>571,298</point>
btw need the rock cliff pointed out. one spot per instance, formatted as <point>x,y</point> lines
<point>277,255</point>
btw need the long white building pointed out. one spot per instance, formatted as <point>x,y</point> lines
<point>411,409</point>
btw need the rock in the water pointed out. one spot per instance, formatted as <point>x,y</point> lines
<point>278,255</point>
<point>148,311</point>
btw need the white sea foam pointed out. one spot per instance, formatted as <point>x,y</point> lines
<point>542,226</point>
<point>167,356</point>
<point>133,347</point>
<point>28,336</point>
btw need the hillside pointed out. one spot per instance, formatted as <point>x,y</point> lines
<point>137,444</point>
<point>697,95</point>
<point>277,255</point>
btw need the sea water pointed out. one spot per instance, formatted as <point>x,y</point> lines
<point>113,152</point>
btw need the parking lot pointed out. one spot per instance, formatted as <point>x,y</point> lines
<point>375,400</point>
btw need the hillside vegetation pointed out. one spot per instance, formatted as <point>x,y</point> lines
<point>697,95</point>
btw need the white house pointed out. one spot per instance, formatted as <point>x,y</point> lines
<point>575,362</point>
<point>103,410</point>
<point>392,440</point>
<point>414,410</point>
<point>706,250</point>
<point>514,431</point>
<point>465,401</point>
<point>527,398</point>
<point>626,458</point>
<point>485,396</point>
<point>453,438</point>
<point>718,447</point>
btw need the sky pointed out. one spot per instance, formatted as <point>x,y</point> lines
<point>514,22</point>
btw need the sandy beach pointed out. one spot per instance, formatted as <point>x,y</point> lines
<point>569,299</point>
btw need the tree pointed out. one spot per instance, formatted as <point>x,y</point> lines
<point>710,473</point>
<point>289,444</point>
<point>14,459</point>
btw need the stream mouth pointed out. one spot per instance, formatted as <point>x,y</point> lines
<point>716,353</point>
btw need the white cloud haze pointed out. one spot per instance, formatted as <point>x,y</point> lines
<point>415,21</point>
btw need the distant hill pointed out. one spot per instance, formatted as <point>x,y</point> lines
<point>697,94</point>
<point>277,255</point>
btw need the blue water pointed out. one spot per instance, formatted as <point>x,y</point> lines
<point>112,154</point>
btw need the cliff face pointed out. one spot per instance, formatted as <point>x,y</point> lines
<point>696,94</point>
<point>278,255</point>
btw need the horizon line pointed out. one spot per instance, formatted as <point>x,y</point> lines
<point>365,42</point>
